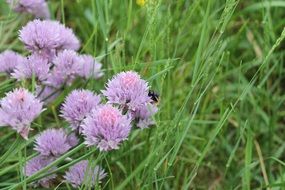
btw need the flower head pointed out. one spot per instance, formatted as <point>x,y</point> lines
<point>80,173</point>
<point>144,115</point>
<point>39,8</point>
<point>9,60</point>
<point>66,67</point>
<point>90,67</point>
<point>36,164</point>
<point>52,143</point>
<point>106,128</point>
<point>36,65</point>
<point>78,104</point>
<point>128,90</point>
<point>18,109</point>
<point>48,38</point>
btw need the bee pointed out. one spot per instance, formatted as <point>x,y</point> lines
<point>154,97</point>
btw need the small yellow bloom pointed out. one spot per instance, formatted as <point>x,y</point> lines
<point>141,2</point>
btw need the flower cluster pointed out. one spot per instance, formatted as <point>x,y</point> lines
<point>107,125</point>
<point>53,61</point>
<point>50,144</point>
<point>53,143</point>
<point>38,8</point>
<point>18,109</point>
<point>103,121</point>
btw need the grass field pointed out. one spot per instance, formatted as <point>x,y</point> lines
<point>218,67</point>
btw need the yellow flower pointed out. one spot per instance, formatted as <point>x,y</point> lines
<point>141,2</point>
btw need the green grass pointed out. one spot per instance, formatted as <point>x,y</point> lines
<point>218,67</point>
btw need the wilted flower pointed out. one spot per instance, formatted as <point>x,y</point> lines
<point>37,163</point>
<point>47,93</point>
<point>128,90</point>
<point>18,109</point>
<point>48,37</point>
<point>36,65</point>
<point>66,68</point>
<point>78,104</point>
<point>144,115</point>
<point>39,8</point>
<point>90,67</point>
<point>52,143</point>
<point>80,173</point>
<point>9,60</point>
<point>106,128</point>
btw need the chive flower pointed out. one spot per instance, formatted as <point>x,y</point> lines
<point>82,173</point>
<point>37,163</point>
<point>38,8</point>
<point>18,109</point>
<point>47,38</point>
<point>65,70</point>
<point>106,127</point>
<point>90,68</point>
<point>77,105</point>
<point>9,60</point>
<point>127,90</point>
<point>35,65</point>
<point>144,115</point>
<point>52,143</point>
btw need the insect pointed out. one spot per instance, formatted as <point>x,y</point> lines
<point>154,97</point>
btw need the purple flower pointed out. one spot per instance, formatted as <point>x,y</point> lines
<point>47,94</point>
<point>37,163</point>
<point>36,65</point>
<point>106,128</point>
<point>144,115</point>
<point>128,90</point>
<point>82,172</point>
<point>18,109</point>
<point>72,139</point>
<point>9,60</point>
<point>78,104</point>
<point>48,38</point>
<point>90,67</point>
<point>52,143</point>
<point>39,8</point>
<point>66,67</point>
